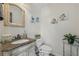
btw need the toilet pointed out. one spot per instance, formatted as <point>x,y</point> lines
<point>44,49</point>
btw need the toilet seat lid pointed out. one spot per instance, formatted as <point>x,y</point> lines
<point>45,47</point>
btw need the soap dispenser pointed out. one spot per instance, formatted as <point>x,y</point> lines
<point>24,35</point>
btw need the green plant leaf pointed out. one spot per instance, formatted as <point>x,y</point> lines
<point>71,38</point>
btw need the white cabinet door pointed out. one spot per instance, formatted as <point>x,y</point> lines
<point>22,54</point>
<point>26,50</point>
<point>21,50</point>
<point>32,51</point>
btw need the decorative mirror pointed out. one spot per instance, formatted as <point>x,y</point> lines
<point>14,15</point>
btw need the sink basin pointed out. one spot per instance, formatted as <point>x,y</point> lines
<point>20,41</point>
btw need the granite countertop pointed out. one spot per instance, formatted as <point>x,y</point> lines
<point>8,46</point>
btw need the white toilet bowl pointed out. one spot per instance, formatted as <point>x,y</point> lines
<point>44,49</point>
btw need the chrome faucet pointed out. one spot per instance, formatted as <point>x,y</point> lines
<point>18,36</point>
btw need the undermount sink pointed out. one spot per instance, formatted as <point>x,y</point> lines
<point>20,41</point>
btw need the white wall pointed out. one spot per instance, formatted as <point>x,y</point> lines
<point>33,28</point>
<point>52,34</point>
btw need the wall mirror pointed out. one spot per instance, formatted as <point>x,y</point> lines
<point>14,15</point>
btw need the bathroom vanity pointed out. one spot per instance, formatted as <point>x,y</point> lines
<point>26,48</point>
<point>14,16</point>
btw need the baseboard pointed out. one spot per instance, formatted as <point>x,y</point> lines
<point>56,54</point>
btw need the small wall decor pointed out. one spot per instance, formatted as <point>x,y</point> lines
<point>63,17</point>
<point>54,21</point>
<point>37,19</point>
<point>32,19</point>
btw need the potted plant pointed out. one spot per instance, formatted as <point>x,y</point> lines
<point>70,38</point>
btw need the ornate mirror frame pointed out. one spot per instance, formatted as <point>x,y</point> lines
<point>8,16</point>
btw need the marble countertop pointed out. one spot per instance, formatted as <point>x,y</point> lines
<point>8,46</point>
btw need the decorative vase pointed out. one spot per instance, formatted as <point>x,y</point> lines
<point>70,41</point>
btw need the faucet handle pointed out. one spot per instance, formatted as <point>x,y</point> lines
<point>18,36</point>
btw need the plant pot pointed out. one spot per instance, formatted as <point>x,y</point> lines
<point>70,41</point>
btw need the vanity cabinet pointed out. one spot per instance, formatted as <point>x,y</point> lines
<point>31,51</point>
<point>25,50</point>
